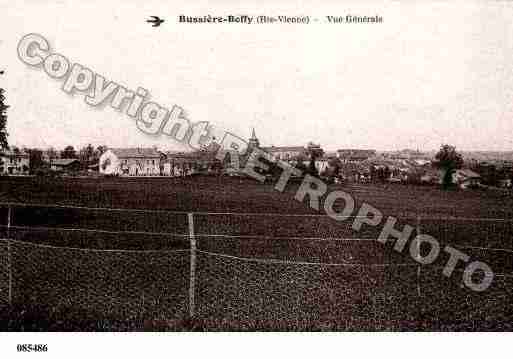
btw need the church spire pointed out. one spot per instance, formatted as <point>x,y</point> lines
<point>253,141</point>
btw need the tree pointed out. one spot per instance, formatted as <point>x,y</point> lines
<point>379,174</point>
<point>488,172</point>
<point>35,159</point>
<point>3,122</point>
<point>373,173</point>
<point>52,154</point>
<point>448,161</point>
<point>384,174</point>
<point>101,150</point>
<point>105,164</point>
<point>162,159</point>
<point>299,163</point>
<point>314,152</point>
<point>69,152</point>
<point>86,155</point>
<point>336,165</point>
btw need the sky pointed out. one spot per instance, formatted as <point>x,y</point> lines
<point>433,72</point>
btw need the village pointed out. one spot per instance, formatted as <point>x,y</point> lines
<point>406,166</point>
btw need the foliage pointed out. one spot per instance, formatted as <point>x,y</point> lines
<point>3,121</point>
<point>101,150</point>
<point>51,153</point>
<point>35,159</point>
<point>300,165</point>
<point>447,157</point>
<point>105,164</point>
<point>448,160</point>
<point>87,155</point>
<point>314,151</point>
<point>379,173</point>
<point>69,152</point>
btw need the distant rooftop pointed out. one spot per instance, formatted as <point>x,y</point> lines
<point>468,173</point>
<point>284,149</point>
<point>11,153</point>
<point>355,153</point>
<point>136,152</point>
<point>63,161</point>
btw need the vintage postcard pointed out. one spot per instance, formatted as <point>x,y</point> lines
<point>171,166</point>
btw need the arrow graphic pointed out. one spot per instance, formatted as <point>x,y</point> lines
<point>156,21</point>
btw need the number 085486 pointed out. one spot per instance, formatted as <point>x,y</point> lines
<point>32,348</point>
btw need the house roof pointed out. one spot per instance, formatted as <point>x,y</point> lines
<point>63,161</point>
<point>330,154</point>
<point>136,152</point>
<point>189,157</point>
<point>355,153</point>
<point>326,157</point>
<point>11,153</point>
<point>468,173</point>
<point>274,149</point>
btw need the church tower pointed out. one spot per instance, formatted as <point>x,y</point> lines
<point>253,141</point>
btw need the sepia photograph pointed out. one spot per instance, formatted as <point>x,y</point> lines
<point>258,166</point>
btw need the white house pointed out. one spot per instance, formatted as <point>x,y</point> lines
<point>355,155</point>
<point>466,178</point>
<point>322,163</point>
<point>130,162</point>
<point>14,162</point>
<point>286,153</point>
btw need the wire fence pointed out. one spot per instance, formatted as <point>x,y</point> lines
<point>246,270</point>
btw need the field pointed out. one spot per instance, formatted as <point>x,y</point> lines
<point>225,194</point>
<point>264,260</point>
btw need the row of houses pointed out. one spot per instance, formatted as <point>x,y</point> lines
<point>14,162</point>
<point>359,165</point>
<point>151,162</point>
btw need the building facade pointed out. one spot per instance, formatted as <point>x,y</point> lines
<point>14,162</point>
<point>355,155</point>
<point>177,164</point>
<point>65,165</point>
<point>130,162</point>
<point>286,153</point>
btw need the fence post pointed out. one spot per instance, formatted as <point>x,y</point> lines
<point>419,220</point>
<point>192,278</point>
<point>9,254</point>
<point>8,221</point>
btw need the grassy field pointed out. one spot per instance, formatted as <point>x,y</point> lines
<point>248,276</point>
<point>225,194</point>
